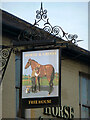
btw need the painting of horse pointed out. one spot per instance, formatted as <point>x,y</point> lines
<point>44,70</point>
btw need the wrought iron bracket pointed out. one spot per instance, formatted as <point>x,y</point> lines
<point>41,15</point>
<point>5,53</point>
<point>4,58</point>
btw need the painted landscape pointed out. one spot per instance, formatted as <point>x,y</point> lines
<point>26,80</point>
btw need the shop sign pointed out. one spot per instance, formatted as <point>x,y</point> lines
<point>41,78</point>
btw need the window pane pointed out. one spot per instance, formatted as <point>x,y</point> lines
<point>80,90</point>
<point>85,112</point>
<point>84,90</point>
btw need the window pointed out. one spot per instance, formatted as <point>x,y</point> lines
<point>84,95</point>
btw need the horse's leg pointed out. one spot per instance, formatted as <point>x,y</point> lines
<point>50,85</point>
<point>39,83</point>
<point>32,84</point>
<point>52,77</point>
<point>35,87</point>
<point>51,81</point>
<point>51,88</point>
<point>35,84</point>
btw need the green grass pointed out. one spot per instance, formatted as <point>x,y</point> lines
<point>24,83</point>
<point>43,81</point>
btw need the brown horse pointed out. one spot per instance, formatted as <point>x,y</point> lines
<point>45,70</point>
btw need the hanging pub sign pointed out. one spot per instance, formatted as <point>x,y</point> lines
<point>41,78</point>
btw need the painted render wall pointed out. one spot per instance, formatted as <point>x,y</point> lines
<point>9,91</point>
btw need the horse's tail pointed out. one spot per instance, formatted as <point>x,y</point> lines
<point>52,76</point>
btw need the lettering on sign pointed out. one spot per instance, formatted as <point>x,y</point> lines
<point>39,101</point>
<point>64,112</point>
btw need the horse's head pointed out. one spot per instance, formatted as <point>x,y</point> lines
<point>28,64</point>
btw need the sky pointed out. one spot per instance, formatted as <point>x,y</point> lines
<point>71,16</point>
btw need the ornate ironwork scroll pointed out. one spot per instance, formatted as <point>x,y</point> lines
<point>4,53</point>
<point>4,58</point>
<point>56,30</point>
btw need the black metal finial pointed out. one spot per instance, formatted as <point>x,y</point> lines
<point>40,15</point>
<point>41,6</point>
